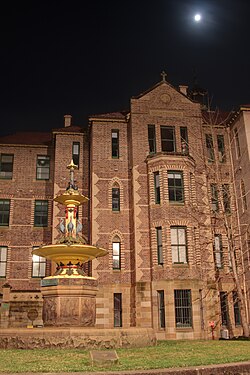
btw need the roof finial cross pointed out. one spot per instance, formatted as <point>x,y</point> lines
<point>164,75</point>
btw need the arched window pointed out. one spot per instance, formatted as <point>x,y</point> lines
<point>116,253</point>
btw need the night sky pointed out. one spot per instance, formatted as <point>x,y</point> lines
<point>88,57</point>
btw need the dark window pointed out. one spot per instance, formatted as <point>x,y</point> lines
<point>115,144</point>
<point>184,140</point>
<point>3,260</point>
<point>38,266</point>
<point>116,248</point>
<point>115,199</point>
<point>179,244</point>
<point>42,167</point>
<point>41,214</point>
<point>159,245</point>
<point>221,148</point>
<point>218,251</point>
<point>161,307</point>
<point>237,143</point>
<point>157,187</point>
<point>4,212</point>
<point>210,147</point>
<point>224,308</point>
<point>214,197</point>
<point>76,153</point>
<point>6,166</point>
<point>175,187</point>
<point>226,198</point>
<point>183,308</point>
<point>117,310</point>
<point>243,195</point>
<point>168,138</point>
<point>151,139</point>
<point>237,318</point>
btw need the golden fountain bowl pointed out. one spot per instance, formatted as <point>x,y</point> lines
<point>64,253</point>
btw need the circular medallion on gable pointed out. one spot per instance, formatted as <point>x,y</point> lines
<point>165,98</point>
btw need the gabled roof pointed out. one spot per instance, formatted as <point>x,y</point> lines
<point>27,138</point>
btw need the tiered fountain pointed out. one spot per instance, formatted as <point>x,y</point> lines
<point>69,295</point>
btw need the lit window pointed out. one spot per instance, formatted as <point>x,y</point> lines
<point>6,166</point>
<point>175,187</point>
<point>179,244</point>
<point>41,213</point>
<point>42,167</point>
<point>4,212</point>
<point>159,245</point>
<point>3,260</point>
<point>151,139</point>
<point>117,310</point>
<point>116,248</point>
<point>115,144</point>
<point>210,147</point>
<point>183,308</point>
<point>161,308</point>
<point>76,153</point>
<point>115,199</point>
<point>168,138</point>
<point>38,266</point>
<point>218,251</point>
<point>157,187</point>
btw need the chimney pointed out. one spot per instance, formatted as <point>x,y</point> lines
<point>183,89</point>
<point>67,120</point>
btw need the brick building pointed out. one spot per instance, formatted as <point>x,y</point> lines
<point>161,179</point>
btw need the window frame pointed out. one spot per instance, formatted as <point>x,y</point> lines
<point>184,140</point>
<point>224,309</point>
<point>243,195</point>
<point>161,309</point>
<point>214,197</point>
<point>41,265</point>
<point>236,307</point>
<point>157,187</point>
<point>218,251</point>
<point>76,156</point>
<point>3,261</point>
<point>42,168</point>
<point>210,148</point>
<point>151,139</point>
<point>221,148</point>
<point>176,190</point>
<point>3,165</point>
<point>41,213</point>
<point>237,143</point>
<point>115,152</point>
<point>165,140</point>
<point>226,197</point>
<point>5,213</point>
<point>116,199</point>
<point>118,310</point>
<point>183,308</point>
<point>159,245</point>
<point>116,258</point>
<point>177,247</point>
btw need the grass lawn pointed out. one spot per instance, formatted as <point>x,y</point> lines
<point>165,354</point>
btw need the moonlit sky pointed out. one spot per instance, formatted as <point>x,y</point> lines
<point>83,58</point>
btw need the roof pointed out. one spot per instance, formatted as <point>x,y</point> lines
<point>27,138</point>
<point>216,117</point>
<point>120,115</point>
<point>69,129</point>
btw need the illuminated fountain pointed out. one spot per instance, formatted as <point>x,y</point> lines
<point>69,294</point>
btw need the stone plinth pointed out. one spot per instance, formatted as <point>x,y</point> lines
<point>69,301</point>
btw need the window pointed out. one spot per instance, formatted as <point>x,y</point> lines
<point>38,266</point>
<point>237,142</point>
<point>168,138</point>
<point>151,139</point>
<point>117,310</point>
<point>3,260</point>
<point>183,308</point>
<point>243,195</point>
<point>159,245</point>
<point>42,167</point>
<point>175,187</point>
<point>179,244</point>
<point>76,153</point>
<point>161,307</point>
<point>226,198</point>
<point>218,251</point>
<point>41,214</point>
<point>115,199</point>
<point>210,147</point>
<point>214,197</point>
<point>116,249</point>
<point>4,212</point>
<point>115,144</point>
<point>224,308</point>
<point>237,318</point>
<point>6,166</point>
<point>221,148</point>
<point>184,140</point>
<point>157,188</point>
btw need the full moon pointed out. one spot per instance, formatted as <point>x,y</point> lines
<point>197,18</point>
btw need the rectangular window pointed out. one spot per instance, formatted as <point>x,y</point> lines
<point>175,187</point>
<point>41,213</point>
<point>226,198</point>
<point>6,166</point>
<point>243,195</point>
<point>4,212</point>
<point>115,144</point>
<point>38,266</point>
<point>117,310</point>
<point>42,167</point>
<point>237,318</point>
<point>161,307</point>
<point>151,139</point>
<point>168,138</point>
<point>116,248</point>
<point>76,153</point>
<point>224,308</point>
<point>210,148</point>
<point>3,260</point>
<point>214,197</point>
<point>115,199</point>
<point>237,143</point>
<point>157,188</point>
<point>221,148</point>
<point>159,245</point>
<point>183,308</point>
<point>218,251</point>
<point>179,244</point>
<point>184,140</point>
